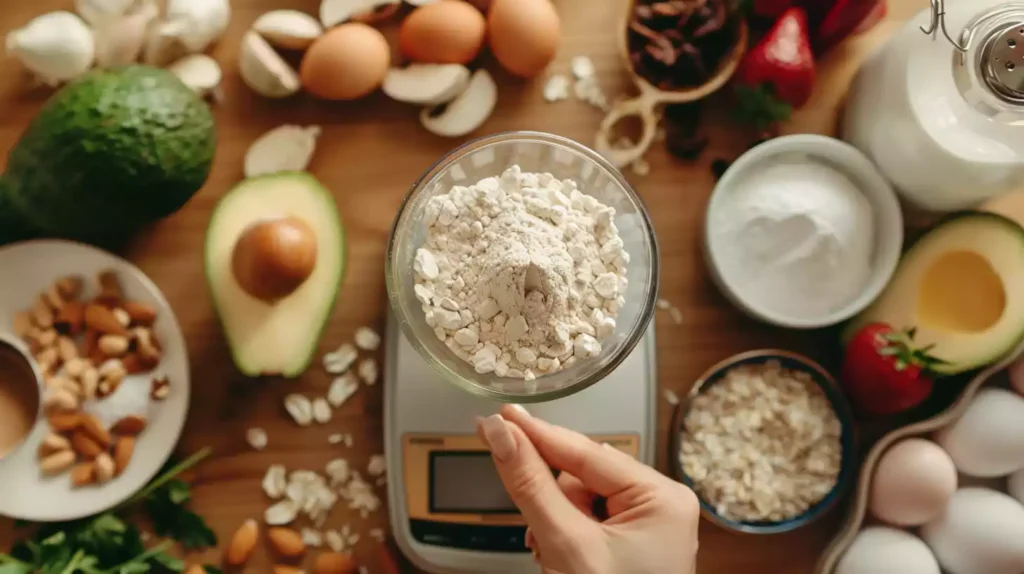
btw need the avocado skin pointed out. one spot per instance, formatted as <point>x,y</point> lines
<point>109,153</point>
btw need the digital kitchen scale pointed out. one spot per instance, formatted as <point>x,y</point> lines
<point>449,511</point>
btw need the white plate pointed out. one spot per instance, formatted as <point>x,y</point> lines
<point>28,269</point>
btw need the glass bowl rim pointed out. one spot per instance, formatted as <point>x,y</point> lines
<point>647,309</point>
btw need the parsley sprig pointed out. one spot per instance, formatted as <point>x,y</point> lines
<point>108,544</point>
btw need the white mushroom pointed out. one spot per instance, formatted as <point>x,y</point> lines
<point>263,69</point>
<point>96,12</point>
<point>426,84</point>
<point>206,21</point>
<point>56,47</point>
<point>163,44</point>
<point>467,112</point>
<point>334,12</point>
<point>288,29</point>
<point>284,148</point>
<point>120,40</point>
<point>199,72</point>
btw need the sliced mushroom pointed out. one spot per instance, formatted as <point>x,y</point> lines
<point>334,12</point>
<point>264,70</point>
<point>284,148</point>
<point>163,44</point>
<point>426,84</point>
<point>288,29</point>
<point>120,40</point>
<point>467,112</point>
<point>199,72</point>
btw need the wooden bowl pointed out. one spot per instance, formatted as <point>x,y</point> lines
<point>828,384</point>
<point>647,105</point>
<point>858,510</point>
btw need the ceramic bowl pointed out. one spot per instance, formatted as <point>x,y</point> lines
<point>888,220</point>
<point>794,362</point>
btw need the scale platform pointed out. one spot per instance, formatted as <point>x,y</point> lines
<point>449,511</point>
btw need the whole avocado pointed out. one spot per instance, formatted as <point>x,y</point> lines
<point>109,153</point>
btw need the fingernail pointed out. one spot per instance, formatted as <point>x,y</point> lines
<point>521,409</point>
<point>498,437</point>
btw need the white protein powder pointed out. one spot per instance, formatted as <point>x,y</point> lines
<point>521,275</point>
<point>795,239</point>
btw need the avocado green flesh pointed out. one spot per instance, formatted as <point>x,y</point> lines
<point>962,287</point>
<point>111,152</point>
<point>278,338</point>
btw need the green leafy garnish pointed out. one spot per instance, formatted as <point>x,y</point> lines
<point>759,106</point>
<point>108,544</point>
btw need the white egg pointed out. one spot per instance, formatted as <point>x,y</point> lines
<point>981,532</point>
<point>913,483</point>
<point>1015,485</point>
<point>884,550</point>
<point>988,440</point>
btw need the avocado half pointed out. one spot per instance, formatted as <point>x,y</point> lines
<point>277,337</point>
<point>961,286</point>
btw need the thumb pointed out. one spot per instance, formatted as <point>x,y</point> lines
<point>527,478</point>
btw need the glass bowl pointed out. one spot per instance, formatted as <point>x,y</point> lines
<point>540,153</point>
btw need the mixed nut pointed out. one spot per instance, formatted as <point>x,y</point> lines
<point>84,350</point>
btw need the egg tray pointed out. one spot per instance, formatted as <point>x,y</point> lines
<point>857,510</point>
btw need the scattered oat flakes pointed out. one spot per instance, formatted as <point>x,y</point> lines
<point>321,410</point>
<point>282,513</point>
<point>334,541</point>
<point>353,540</point>
<point>673,311</point>
<point>342,388</point>
<point>338,471</point>
<point>341,359</point>
<point>762,443</point>
<point>360,495</point>
<point>378,465</point>
<point>312,538</point>
<point>300,408</point>
<point>275,481</point>
<point>670,397</point>
<point>336,438</point>
<point>640,167</point>
<point>582,67</point>
<point>367,339</point>
<point>368,371</point>
<point>556,89</point>
<point>349,441</point>
<point>364,570</point>
<point>377,534</point>
<point>257,438</point>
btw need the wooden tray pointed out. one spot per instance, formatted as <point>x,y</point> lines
<point>857,510</point>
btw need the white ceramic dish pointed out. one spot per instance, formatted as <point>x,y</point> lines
<point>28,268</point>
<point>888,240</point>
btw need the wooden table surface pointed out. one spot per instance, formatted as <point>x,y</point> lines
<point>369,154</point>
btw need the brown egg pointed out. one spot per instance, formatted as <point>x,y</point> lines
<point>444,32</point>
<point>272,258</point>
<point>346,63</point>
<point>524,35</point>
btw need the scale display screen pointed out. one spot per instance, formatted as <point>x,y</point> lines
<point>466,482</point>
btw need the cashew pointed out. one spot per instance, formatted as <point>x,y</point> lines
<point>120,41</point>
<point>467,112</point>
<point>264,70</point>
<point>426,84</point>
<point>334,12</point>
<point>60,399</point>
<point>113,345</point>
<point>288,29</point>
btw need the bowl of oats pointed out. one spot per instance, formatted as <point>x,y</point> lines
<point>767,441</point>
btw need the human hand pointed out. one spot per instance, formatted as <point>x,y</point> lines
<point>651,522</point>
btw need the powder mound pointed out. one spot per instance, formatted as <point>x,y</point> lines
<point>521,275</point>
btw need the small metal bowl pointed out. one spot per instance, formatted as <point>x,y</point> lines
<point>791,361</point>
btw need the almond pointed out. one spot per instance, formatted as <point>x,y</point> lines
<point>285,569</point>
<point>90,344</point>
<point>111,292</point>
<point>334,563</point>
<point>140,313</point>
<point>70,317</point>
<point>85,446</point>
<point>286,542</point>
<point>129,425</point>
<point>243,542</point>
<point>133,364</point>
<point>92,427</point>
<point>101,319</point>
<point>65,422</point>
<point>83,474</point>
<point>57,462</point>
<point>124,448</point>
<point>52,443</point>
<point>69,287</point>
<point>104,468</point>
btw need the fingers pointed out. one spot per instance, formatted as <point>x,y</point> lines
<point>580,496</point>
<point>527,478</point>
<point>603,470</point>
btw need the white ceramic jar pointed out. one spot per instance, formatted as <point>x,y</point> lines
<point>945,122</point>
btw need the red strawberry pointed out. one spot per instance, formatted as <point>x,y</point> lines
<point>777,75</point>
<point>883,373</point>
<point>846,18</point>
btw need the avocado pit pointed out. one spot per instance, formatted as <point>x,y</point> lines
<point>274,257</point>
